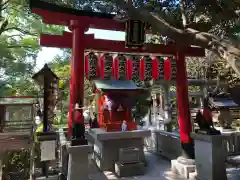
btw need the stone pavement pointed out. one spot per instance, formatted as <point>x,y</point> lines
<point>158,169</point>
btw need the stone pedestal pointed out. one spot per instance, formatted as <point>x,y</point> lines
<point>107,146</point>
<point>210,156</point>
<point>78,162</point>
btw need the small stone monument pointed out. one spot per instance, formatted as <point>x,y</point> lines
<point>129,163</point>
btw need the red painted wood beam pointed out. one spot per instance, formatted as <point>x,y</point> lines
<point>59,41</point>
<point>63,19</point>
<point>65,41</point>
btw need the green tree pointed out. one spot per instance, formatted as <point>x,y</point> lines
<point>19,46</point>
<point>61,66</point>
<point>213,25</point>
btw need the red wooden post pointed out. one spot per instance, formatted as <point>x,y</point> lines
<point>184,118</point>
<point>70,114</point>
<point>77,66</point>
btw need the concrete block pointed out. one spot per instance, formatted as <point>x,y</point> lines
<point>127,170</point>
<point>182,169</point>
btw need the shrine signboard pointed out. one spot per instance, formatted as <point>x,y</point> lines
<point>135,33</point>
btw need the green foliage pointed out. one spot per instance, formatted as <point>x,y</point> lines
<point>19,46</point>
<point>61,66</point>
<point>221,70</point>
<point>16,161</point>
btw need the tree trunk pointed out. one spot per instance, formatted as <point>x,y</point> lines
<point>226,49</point>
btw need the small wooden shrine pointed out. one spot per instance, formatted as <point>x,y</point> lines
<point>114,103</point>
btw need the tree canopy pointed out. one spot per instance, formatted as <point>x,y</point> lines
<point>213,24</point>
<point>19,46</point>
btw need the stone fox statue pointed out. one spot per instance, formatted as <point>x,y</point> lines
<point>204,119</point>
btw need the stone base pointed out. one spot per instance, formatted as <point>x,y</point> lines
<point>108,144</point>
<point>127,170</point>
<point>78,162</point>
<point>182,169</point>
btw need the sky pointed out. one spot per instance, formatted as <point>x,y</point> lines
<point>47,54</point>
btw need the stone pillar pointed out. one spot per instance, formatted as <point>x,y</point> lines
<point>78,162</point>
<point>154,108</point>
<point>159,113</point>
<point>167,109</point>
<point>210,156</point>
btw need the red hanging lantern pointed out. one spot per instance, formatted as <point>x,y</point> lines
<point>167,69</point>
<point>142,69</point>
<point>113,68</point>
<point>116,67</point>
<point>86,67</point>
<point>129,67</point>
<point>101,66</point>
<point>155,69</point>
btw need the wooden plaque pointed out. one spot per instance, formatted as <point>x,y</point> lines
<point>135,33</point>
<point>48,150</point>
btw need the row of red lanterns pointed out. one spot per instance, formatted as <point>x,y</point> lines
<point>167,68</point>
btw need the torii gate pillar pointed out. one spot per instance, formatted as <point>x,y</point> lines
<point>184,118</point>
<point>77,70</point>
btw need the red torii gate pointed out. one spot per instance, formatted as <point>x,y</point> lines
<point>79,23</point>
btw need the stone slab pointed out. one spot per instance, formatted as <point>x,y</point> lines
<point>182,169</point>
<point>209,138</point>
<point>76,149</point>
<point>127,170</point>
<point>101,134</point>
<point>78,162</point>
